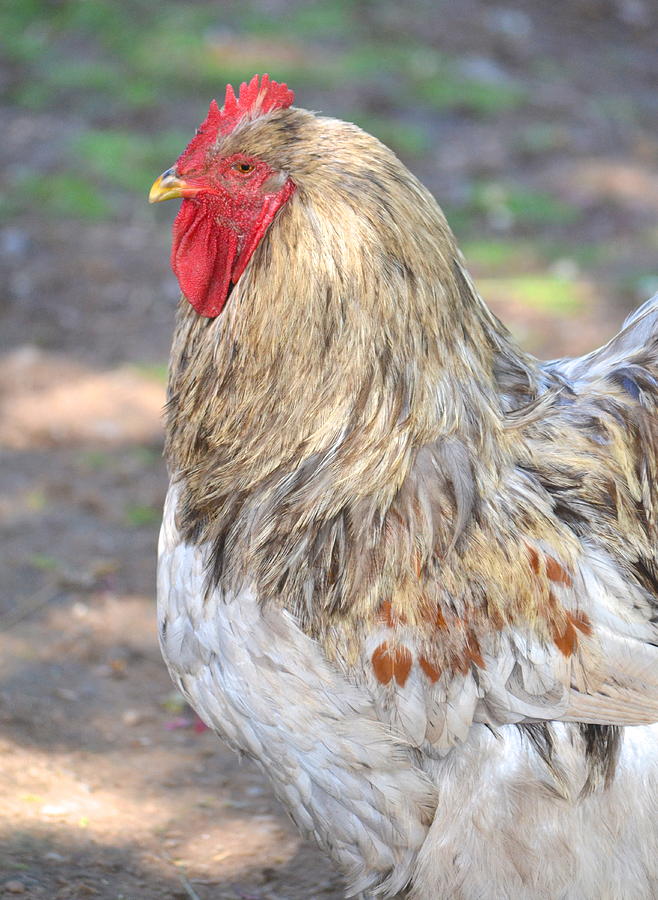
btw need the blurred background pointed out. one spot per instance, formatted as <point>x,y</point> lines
<point>534,123</point>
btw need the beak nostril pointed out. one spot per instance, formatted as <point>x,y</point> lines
<point>170,186</point>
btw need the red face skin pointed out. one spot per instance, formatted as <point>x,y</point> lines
<point>222,219</point>
<point>228,202</point>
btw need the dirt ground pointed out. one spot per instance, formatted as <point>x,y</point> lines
<point>108,787</point>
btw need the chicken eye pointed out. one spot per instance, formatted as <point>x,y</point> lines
<point>244,168</point>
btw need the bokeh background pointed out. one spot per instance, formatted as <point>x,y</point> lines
<point>534,123</point>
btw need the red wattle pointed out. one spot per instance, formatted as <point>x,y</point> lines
<point>202,257</point>
<point>214,237</point>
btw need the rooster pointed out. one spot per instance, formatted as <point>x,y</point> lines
<point>407,568</point>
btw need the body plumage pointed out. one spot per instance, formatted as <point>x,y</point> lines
<point>405,566</point>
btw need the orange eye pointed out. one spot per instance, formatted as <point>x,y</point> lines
<point>244,168</point>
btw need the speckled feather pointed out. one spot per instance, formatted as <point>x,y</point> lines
<point>455,544</point>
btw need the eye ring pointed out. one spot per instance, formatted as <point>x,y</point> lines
<point>243,168</point>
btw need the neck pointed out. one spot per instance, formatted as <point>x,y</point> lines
<point>303,420</point>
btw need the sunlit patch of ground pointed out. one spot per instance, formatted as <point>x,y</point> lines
<point>105,793</point>
<point>51,400</point>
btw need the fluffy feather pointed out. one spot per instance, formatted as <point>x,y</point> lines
<point>406,566</point>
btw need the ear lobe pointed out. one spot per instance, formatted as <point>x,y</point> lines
<point>274,183</point>
<point>271,205</point>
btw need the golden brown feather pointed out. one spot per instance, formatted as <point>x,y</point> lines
<point>359,439</point>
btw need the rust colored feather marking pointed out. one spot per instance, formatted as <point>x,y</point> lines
<point>382,664</point>
<point>431,671</point>
<point>388,617</point>
<point>557,573</point>
<point>534,559</point>
<point>385,614</point>
<point>389,664</point>
<point>474,651</point>
<point>402,665</point>
<point>566,640</point>
<point>433,615</point>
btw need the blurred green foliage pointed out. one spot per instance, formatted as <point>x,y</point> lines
<point>138,75</point>
<point>112,62</point>
<point>59,194</point>
<point>136,515</point>
<point>43,562</point>
<point>496,255</point>
<point>95,460</point>
<point>411,140</point>
<point>125,159</point>
<point>131,55</point>
<point>155,371</point>
<point>545,293</point>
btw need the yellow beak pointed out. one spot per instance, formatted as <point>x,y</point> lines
<point>170,187</point>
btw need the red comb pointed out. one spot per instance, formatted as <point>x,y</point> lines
<point>254,100</point>
<point>206,134</point>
